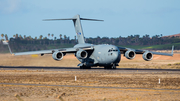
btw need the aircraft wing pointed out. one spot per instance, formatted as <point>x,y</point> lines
<point>34,52</point>
<point>63,50</point>
<point>124,49</point>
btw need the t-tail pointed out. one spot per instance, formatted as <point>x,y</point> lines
<point>78,27</point>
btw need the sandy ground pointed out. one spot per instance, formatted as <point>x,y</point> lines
<point>70,61</point>
<point>137,86</point>
<point>145,83</point>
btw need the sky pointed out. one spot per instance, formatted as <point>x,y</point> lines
<point>121,17</point>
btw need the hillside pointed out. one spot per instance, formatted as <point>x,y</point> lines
<point>157,42</point>
<point>175,35</point>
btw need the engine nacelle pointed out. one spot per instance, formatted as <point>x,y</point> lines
<point>82,54</point>
<point>130,54</point>
<point>57,55</point>
<point>148,56</point>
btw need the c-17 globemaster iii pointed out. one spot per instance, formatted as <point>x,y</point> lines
<point>91,55</point>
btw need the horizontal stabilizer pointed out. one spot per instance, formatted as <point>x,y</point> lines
<point>90,19</point>
<point>59,19</point>
<point>73,19</point>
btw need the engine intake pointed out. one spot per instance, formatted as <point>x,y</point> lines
<point>148,56</point>
<point>82,54</point>
<point>130,54</point>
<point>57,55</point>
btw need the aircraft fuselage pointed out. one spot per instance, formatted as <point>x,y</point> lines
<point>102,55</point>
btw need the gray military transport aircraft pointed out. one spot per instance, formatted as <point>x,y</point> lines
<point>91,55</point>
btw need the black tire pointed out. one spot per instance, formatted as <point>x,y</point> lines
<point>110,67</point>
<point>107,67</point>
<point>85,67</point>
<point>81,67</point>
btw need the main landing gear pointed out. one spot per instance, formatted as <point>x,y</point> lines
<point>85,67</point>
<point>113,66</point>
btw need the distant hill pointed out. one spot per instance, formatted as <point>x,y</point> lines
<point>175,35</point>
<point>20,44</point>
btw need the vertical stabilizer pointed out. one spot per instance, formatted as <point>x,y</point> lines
<point>78,29</point>
<point>77,25</point>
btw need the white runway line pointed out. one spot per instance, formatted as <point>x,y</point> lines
<point>75,78</point>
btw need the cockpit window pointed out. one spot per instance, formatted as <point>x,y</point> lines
<point>112,50</point>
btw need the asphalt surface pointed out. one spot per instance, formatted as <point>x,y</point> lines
<point>118,70</point>
<point>93,69</point>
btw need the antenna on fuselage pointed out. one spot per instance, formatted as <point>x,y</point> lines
<point>78,27</point>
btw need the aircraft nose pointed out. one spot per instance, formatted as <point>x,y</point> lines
<point>117,56</point>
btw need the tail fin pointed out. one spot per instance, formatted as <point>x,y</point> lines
<point>78,27</point>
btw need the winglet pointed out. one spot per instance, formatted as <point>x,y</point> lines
<point>172,50</point>
<point>10,50</point>
<point>6,43</point>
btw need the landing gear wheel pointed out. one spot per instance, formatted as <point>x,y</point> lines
<point>85,67</point>
<point>107,67</point>
<point>110,67</point>
<point>81,67</point>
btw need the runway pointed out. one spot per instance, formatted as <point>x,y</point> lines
<point>122,70</point>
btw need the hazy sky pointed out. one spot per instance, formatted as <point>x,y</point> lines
<point>121,17</point>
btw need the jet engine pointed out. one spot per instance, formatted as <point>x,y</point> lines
<point>82,54</point>
<point>130,54</point>
<point>148,56</point>
<point>57,55</point>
